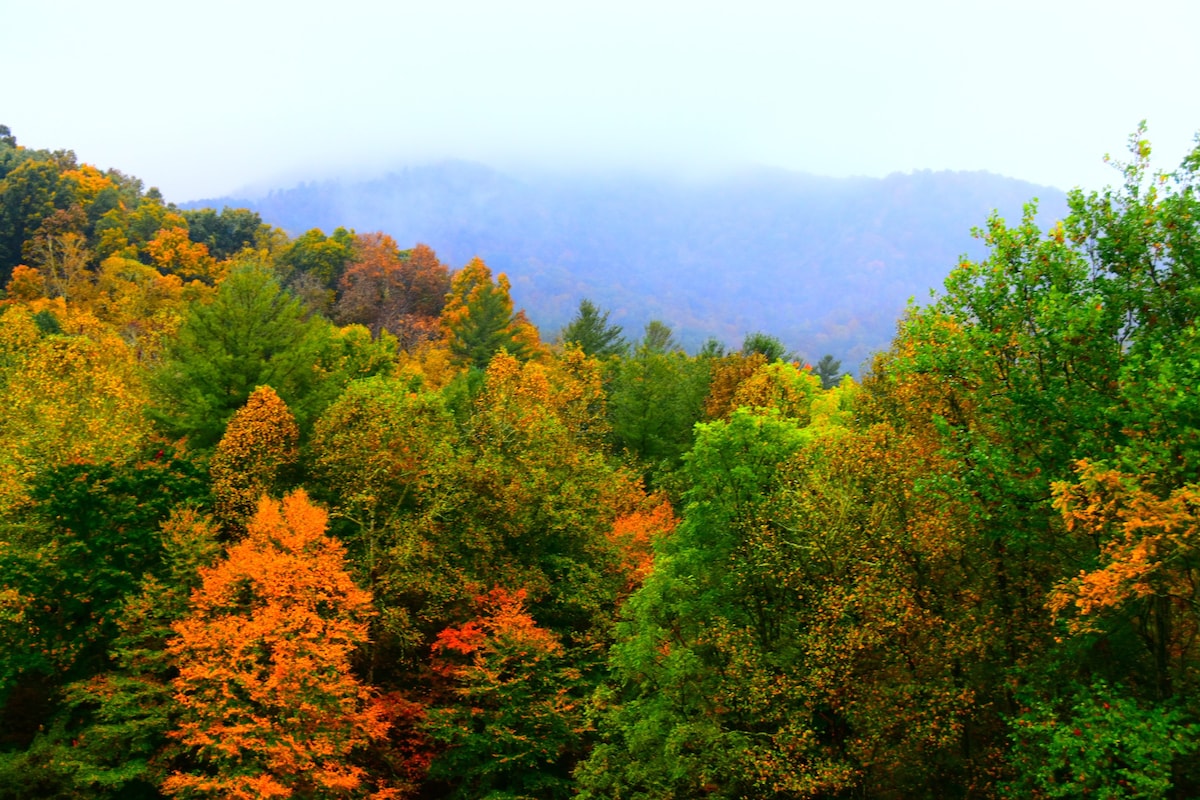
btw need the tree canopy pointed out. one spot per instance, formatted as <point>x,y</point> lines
<point>319,517</point>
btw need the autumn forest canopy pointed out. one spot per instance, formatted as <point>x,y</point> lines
<point>321,516</point>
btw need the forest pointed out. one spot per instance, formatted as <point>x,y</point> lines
<point>319,516</point>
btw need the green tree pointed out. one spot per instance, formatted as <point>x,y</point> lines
<point>658,338</point>
<point>478,317</point>
<point>314,253</point>
<point>656,396</point>
<point>828,369</point>
<point>81,550</point>
<point>592,333</point>
<point>226,233</point>
<point>766,345</point>
<point>1099,743</point>
<point>383,454</point>
<point>512,723</point>
<point>671,726</point>
<point>29,194</point>
<point>109,737</point>
<point>252,334</point>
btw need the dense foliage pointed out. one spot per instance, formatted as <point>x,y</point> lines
<point>321,517</point>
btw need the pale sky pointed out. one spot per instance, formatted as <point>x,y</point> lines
<point>204,98</point>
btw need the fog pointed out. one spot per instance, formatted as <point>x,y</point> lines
<point>207,99</point>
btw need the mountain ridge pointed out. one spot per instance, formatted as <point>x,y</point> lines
<point>826,264</point>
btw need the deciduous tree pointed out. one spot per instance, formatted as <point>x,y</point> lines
<point>270,707</point>
<point>254,455</point>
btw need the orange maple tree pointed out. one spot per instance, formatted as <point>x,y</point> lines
<point>269,707</point>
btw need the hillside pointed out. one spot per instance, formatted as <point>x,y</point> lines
<point>825,264</point>
<point>321,516</point>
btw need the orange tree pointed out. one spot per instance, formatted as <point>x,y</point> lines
<point>270,707</point>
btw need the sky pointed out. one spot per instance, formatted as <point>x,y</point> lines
<point>205,99</point>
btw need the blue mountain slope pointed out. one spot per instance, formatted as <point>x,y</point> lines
<point>825,264</point>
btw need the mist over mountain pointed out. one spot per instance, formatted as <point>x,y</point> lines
<point>825,264</point>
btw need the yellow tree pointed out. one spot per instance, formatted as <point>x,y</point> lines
<point>26,284</point>
<point>173,252</point>
<point>269,705</point>
<point>74,395</point>
<point>258,445</point>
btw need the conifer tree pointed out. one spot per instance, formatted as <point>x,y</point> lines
<point>592,333</point>
<point>478,317</point>
<point>252,334</point>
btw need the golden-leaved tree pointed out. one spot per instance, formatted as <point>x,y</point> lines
<point>71,395</point>
<point>258,445</point>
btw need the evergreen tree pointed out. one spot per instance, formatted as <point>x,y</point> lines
<point>592,333</point>
<point>478,317</point>
<point>252,334</point>
<point>829,370</point>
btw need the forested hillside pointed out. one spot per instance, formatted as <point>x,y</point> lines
<point>318,516</point>
<point>825,264</point>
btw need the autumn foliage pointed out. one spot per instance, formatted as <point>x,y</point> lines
<point>385,289</point>
<point>258,446</point>
<point>270,707</point>
<point>590,569</point>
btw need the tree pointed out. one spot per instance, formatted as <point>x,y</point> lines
<point>663,724</point>
<point>252,334</point>
<point>592,333</point>
<point>270,707</point>
<point>658,338</point>
<point>828,369</point>
<point>478,318</point>
<point>766,345</point>
<point>88,536</point>
<point>755,382</point>
<point>314,253</point>
<point>656,397</point>
<point>73,391</point>
<point>385,289</point>
<point>173,252</point>
<point>29,194</point>
<point>382,453</point>
<point>109,737</point>
<point>514,719</point>
<point>532,501</point>
<point>224,234</point>
<point>258,448</point>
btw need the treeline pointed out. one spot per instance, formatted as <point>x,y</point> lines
<point>322,517</point>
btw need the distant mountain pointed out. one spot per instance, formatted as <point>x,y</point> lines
<point>825,264</point>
